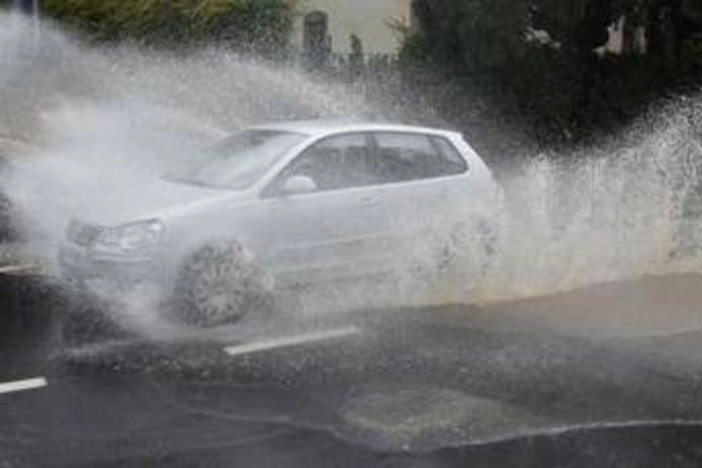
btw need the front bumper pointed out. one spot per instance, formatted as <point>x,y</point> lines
<point>81,267</point>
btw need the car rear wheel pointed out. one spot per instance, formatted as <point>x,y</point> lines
<point>471,242</point>
<point>220,284</point>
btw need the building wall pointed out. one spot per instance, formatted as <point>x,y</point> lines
<point>368,19</point>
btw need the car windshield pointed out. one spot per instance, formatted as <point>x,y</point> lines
<point>239,161</point>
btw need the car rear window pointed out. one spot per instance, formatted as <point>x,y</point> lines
<point>406,156</point>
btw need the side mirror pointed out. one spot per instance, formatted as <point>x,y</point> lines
<point>299,184</point>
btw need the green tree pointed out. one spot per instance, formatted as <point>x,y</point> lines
<point>261,26</point>
<point>536,60</point>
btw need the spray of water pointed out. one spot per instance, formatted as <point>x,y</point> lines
<point>109,119</point>
<point>615,213</point>
<point>101,122</point>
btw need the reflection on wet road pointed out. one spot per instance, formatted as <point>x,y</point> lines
<point>535,383</point>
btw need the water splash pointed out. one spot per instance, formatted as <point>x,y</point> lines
<point>99,121</point>
<point>608,214</point>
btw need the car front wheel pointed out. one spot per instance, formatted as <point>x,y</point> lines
<point>220,284</point>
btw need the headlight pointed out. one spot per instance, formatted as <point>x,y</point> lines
<point>129,238</point>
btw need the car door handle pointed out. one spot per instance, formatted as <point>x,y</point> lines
<point>369,201</point>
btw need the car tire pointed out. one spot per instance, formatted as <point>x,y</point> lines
<point>220,284</point>
<point>478,239</point>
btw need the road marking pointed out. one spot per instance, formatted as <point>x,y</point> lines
<point>19,269</point>
<point>22,385</point>
<point>285,342</point>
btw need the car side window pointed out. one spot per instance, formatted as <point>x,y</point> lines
<point>335,163</point>
<point>402,157</point>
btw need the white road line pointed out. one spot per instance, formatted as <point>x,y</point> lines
<point>19,269</point>
<point>22,385</point>
<point>284,342</point>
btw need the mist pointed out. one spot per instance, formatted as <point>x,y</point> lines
<point>92,126</point>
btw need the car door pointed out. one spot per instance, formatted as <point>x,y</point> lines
<point>330,232</point>
<point>427,184</point>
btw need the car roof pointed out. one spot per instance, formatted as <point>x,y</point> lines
<point>319,128</point>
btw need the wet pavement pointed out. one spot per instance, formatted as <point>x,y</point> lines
<point>448,386</point>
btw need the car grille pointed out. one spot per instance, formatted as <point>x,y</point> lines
<point>82,234</point>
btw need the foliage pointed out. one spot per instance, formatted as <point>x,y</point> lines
<point>535,60</point>
<point>261,26</point>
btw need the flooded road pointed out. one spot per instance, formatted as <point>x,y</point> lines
<point>559,381</point>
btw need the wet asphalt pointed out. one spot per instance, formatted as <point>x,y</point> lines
<point>410,389</point>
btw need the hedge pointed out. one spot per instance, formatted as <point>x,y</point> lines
<point>260,26</point>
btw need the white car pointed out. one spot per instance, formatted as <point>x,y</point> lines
<point>280,205</point>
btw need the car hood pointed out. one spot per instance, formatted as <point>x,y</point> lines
<point>155,199</point>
